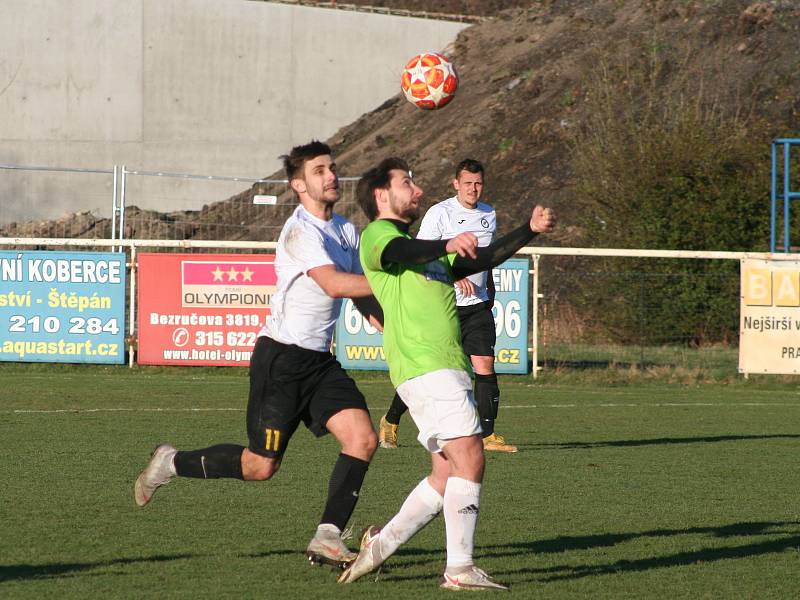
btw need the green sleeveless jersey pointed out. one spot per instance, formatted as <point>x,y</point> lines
<point>421,331</point>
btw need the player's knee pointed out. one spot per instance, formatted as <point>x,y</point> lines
<point>265,471</point>
<point>259,468</point>
<point>369,443</point>
<point>362,445</point>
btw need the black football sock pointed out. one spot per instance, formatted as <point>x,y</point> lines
<point>495,396</point>
<point>486,398</point>
<point>396,410</point>
<point>223,460</point>
<point>345,484</point>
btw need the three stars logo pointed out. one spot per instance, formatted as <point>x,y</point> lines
<point>227,283</point>
<point>232,274</point>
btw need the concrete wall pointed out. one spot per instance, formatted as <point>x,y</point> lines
<point>217,87</point>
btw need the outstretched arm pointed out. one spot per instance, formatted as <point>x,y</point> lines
<point>542,221</point>
<point>407,251</point>
<point>339,284</point>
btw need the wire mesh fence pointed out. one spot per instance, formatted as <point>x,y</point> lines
<point>120,202</point>
<point>249,209</point>
<point>636,312</point>
<point>39,201</point>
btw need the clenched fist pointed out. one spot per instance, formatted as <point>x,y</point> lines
<point>464,244</point>
<point>543,220</point>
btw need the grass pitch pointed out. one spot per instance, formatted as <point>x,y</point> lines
<point>639,489</point>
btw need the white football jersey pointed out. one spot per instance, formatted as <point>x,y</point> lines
<point>446,220</point>
<point>302,313</point>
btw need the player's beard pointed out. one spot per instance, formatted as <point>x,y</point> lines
<point>406,210</point>
<point>329,194</point>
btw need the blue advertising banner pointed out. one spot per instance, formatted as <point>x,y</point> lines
<point>62,307</point>
<point>360,346</point>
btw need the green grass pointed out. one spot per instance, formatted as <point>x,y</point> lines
<point>624,489</point>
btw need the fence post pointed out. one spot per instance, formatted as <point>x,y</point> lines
<point>773,219</point>
<point>132,306</point>
<point>123,185</point>
<point>114,199</point>
<point>535,321</point>
<point>787,195</point>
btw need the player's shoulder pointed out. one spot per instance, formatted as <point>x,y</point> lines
<point>301,218</point>
<point>484,208</point>
<point>447,205</point>
<point>442,209</point>
<point>301,223</point>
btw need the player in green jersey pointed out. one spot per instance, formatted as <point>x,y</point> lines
<point>413,281</point>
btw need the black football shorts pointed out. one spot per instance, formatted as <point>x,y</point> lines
<point>477,329</point>
<point>290,385</point>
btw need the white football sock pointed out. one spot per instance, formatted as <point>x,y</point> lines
<point>461,505</point>
<point>419,509</point>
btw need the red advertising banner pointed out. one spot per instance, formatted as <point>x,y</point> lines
<point>202,309</point>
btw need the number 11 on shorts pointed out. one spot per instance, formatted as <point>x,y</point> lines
<point>273,439</point>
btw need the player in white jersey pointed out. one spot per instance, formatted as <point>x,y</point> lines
<point>294,377</point>
<point>464,212</point>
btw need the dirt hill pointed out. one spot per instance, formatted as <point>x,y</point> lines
<point>528,80</point>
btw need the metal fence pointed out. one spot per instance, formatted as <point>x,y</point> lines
<point>249,208</point>
<point>58,202</point>
<point>656,310</point>
<point>639,313</point>
<point>110,204</point>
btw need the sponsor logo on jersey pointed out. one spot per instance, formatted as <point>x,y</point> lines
<point>436,271</point>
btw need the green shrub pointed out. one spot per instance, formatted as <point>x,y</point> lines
<point>668,166</point>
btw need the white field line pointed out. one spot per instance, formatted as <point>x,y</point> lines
<point>99,410</point>
<point>653,404</point>
<point>384,408</point>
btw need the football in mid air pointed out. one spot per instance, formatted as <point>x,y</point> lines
<point>429,80</point>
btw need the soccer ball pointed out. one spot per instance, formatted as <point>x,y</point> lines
<point>429,81</point>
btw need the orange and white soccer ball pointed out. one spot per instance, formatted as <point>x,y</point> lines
<point>429,80</point>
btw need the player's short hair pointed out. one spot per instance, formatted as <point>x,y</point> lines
<point>300,155</point>
<point>377,178</point>
<point>469,164</point>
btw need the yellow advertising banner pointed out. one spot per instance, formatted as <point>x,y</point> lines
<point>769,326</point>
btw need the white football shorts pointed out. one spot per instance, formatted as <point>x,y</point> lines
<point>442,406</point>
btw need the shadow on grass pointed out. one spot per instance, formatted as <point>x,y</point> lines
<point>14,572</point>
<point>782,536</point>
<point>660,441</point>
<point>705,555</point>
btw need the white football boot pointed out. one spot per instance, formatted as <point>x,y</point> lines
<point>470,579</point>
<point>369,556</point>
<point>327,547</point>
<point>159,471</point>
